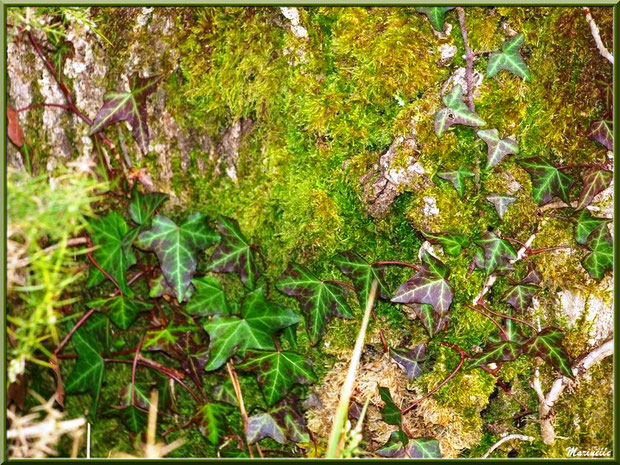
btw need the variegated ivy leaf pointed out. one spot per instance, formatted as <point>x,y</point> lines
<point>456,112</point>
<point>128,106</point>
<point>509,59</point>
<point>108,233</point>
<point>451,243</point>
<point>418,448</point>
<point>263,425</point>
<point>602,132</point>
<point>520,296</point>
<point>547,180</point>
<point>426,287</point>
<point>601,258</point>
<point>432,321</point>
<point>410,359</point>
<point>434,265</point>
<point>159,287</point>
<point>595,181</point>
<point>497,148</point>
<point>234,254</point>
<point>547,345</point>
<point>435,15</point>
<point>503,351</point>
<point>279,424</point>
<point>121,310</point>
<point>136,401</point>
<point>320,300</point>
<point>259,321</point>
<point>532,277</point>
<point>294,423</point>
<point>586,223</point>
<point>457,178</point>
<point>361,273</point>
<point>278,371</point>
<point>501,203</point>
<point>141,210</point>
<point>212,420</point>
<point>176,248</point>
<point>497,252</point>
<point>208,299</point>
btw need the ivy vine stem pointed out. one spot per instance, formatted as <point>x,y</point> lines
<point>493,320</point>
<point>73,330</point>
<point>397,263</point>
<point>502,315</point>
<point>99,267</point>
<point>444,382</point>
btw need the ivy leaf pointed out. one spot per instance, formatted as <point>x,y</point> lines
<point>87,375</point>
<point>601,258</point>
<point>547,344</point>
<point>586,223</point>
<point>225,392</point>
<point>320,300</point>
<point>520,296</point>
<point>361,273</point>
<point>547,180</point>
<point>278,372</point>
<point>390,413</point>
<point>136,400</point>
<point>176,248</point>
<point>497,252</point>
<point>434,265</point>
<point>501,203</point>
<point>108,233</point>
<point>594,182</point>
<point>497,148</point>
<point>509,59</point>
<point>234,253</point>
<point>263,425</point>
<point>532,277</point>
<point>426,314</point>
<point>121,310</point>
<point>457,178</point>
<point>208,299</point>
<point>456,112</point>
<point>419,448</point>
<point>451,243</point>
<point>143,206</point>
<point>169,336</point>
<point>426,287</point>
<point>602,132</point>
<point>212,420</point>
<point>128,106</point>
<point>294,424</point>
<point>260,319</point>
<point>503,351</point>
<point>435,15</point>
<point>410,360</point>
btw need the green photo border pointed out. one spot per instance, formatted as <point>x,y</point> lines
<point>3,166</point>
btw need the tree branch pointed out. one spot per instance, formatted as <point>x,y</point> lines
<point>469,58</point>
<point>521,437</point>
<point>597,36</point>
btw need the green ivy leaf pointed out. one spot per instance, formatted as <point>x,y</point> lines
<point>547,344</point>
<point>320,300</point>
<point>108,233</point>
<point>143,206</point>
<point>594,182</point>
<point>503,351</point>
<point>457,178</point>
<point>520,296</point>
<point>509,59</point>
<point>501,203</point>
<point>87,375</point>
<point>278,371</point>
<point>135,413</point>
<point>419,448</point>
<point>435,15</point>
<point>456,112</point>
<point>208,298</point>
<point>410,360</point>
<point>601,258</point>
<point>547,180</point>
<point>451,243</point>
<point>602,132</point>
<point>212,420</point>
<point>294,424</point>
<point>426,287</point>
<point>434,265</point>
<point>497,252</point>
<point>234,254</point>
<point>121,310</point>
<point>263,425</point>
<point>159,287</point>
<point>430,319</point>
<point>260,319</point>
<point>586,223</point>
<point>497,148</point>
<point>361,273</point>
<point>225,392</point>
<point>390,413</point>
<point>176,248</point>
<point>128,106</point>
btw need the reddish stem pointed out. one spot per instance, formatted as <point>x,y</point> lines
<point>443,383</point>
<point>341,284</point>
<point>506,389</point>
<point>133,370</point>
<point>397,263</point>
<point>130,282</point>
<point>94,262</point>
<point>509,317</point>
<point>548,249</point>
<point>39,105</point>
<point>504,334</point>
<point>73,330</point>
